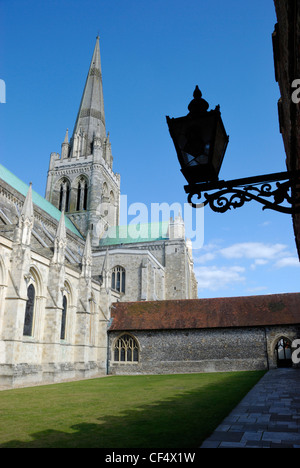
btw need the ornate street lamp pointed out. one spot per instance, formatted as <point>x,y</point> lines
<point>201,141</point>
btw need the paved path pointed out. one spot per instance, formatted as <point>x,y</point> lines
<point>268,416</point>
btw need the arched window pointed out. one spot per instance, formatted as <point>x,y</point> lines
<point>63,319</point>
<point>61,195</point>
<point>78,196</point>
<point>29,311</point>
<point>85,198</point>
<point>67,198</point>
<point>126,349</point>
<point>82,195</point>
<point>118,278</point>
<point>64,196</point>
<point>283,353</point>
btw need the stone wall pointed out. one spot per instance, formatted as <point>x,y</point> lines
<point>57,264</point>
<point>156,270</point>
<point>44,357</point>
<point>202,350</point>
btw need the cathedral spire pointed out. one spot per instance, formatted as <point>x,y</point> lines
<point>26,219</point>
<point>87,258</point>
<point>60,241</point>
<point>90,119</point>
<point>27,210</point>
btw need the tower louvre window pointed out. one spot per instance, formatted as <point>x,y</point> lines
<point>64,196</point>
<point>78,196</point>
<point>67,198</point>
<point>85,196</point>
<point>82,195</point>
<point>61,197</point>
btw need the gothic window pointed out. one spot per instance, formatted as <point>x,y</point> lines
<point>61,194</point>
<point>64,196</point>
<point>78,196</point>
<point>82,195</point>
<point>118,279</point>
<point>67,198</point>
<point>63,319</point>
<point>126,349</point>
<point>29,311</point>
<point>85,196</point>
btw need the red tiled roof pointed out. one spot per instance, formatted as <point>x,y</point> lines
<point>275,309</point>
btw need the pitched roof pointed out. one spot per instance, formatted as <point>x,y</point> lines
<point>144,232</point>
<point>275,309</point>
<point>37,199</point>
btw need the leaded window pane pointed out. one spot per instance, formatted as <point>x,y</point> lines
<point>126,349</point>
<point>123,281</point>
<point>118,279</point>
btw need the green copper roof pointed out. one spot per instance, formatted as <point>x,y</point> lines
<point>37,199</point>
<point>135,233</point>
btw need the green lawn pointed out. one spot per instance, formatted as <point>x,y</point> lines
<point>162,411</point>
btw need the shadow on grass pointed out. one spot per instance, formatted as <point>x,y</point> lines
<point>183,421</point>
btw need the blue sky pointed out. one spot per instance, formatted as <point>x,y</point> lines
<point>153,55</point>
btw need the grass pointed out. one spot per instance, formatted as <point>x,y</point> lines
<point>162,411</point>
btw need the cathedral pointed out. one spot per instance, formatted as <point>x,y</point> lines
<point>82,297</point>
<point>64,259</point>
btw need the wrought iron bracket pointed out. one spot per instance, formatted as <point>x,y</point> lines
<point>279,192</point>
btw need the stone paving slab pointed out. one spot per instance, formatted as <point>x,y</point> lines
<point>268,416</point>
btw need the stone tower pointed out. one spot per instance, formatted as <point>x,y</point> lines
<point>81,180</point>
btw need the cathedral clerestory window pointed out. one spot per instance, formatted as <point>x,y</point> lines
<point>126,349</point>
<point>118,279</point>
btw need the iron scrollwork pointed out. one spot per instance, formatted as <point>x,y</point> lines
<point>284,197</point>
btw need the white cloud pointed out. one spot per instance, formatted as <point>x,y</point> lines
<point>257,250</point>
<point>287,262</point>
<point>217,268</point>
<point>213,278</point>
<point>205,258</point>
<point>258,262</point>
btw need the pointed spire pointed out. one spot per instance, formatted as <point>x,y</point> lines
<point>87,258</point>
<point>65,146</point>
<point>90,118</point>
<point>66,140</point>
<point>26,220</point>
<point>104,277</point>
<point>60,241</point>
<point>87,253</point>
<point>27,210</point>
<point>61,230</point>
<point>105,266</point>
